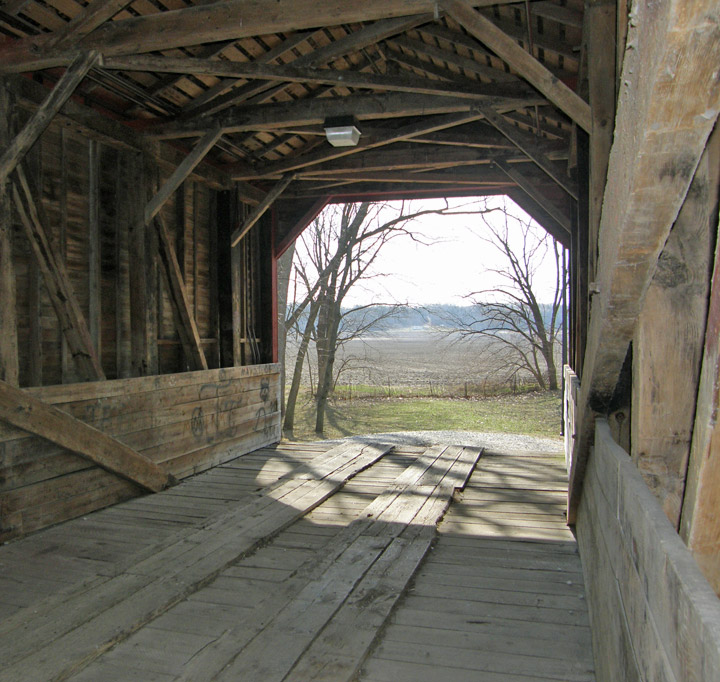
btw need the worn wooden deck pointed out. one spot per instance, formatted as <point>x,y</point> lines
<point>307,563</point>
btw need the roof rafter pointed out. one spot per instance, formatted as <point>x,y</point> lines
<point>215,22</point>
<point>522,62</point>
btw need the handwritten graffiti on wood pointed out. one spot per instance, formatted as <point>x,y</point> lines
<point>210,425</point>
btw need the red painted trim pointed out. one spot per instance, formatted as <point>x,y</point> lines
<point>300,225</point>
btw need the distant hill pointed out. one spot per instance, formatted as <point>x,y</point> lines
<point>444,316</point>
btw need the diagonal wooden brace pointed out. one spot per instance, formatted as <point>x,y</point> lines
<point>21,409</point>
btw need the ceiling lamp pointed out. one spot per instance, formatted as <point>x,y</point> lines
<point>342,131</point>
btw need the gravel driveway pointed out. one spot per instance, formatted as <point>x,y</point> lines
<point>491,441</point>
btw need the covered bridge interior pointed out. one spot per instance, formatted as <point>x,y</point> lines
<point>158,156</point>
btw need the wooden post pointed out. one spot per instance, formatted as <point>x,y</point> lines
<point>9,368</point>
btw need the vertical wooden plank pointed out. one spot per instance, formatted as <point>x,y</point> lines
<point>152,279</point>
<point>212,227</point>
<point>194,230</point>
<point>9,368</point>
<point>142,247</point>
<point>67,366</point>
<point>94,256</point>
<point>35,347</point>
<point>236,277</point>
<point>667,365</point>
<point>122,279</point>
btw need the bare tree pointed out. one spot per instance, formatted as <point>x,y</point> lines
<point>522,329</point>
<point>340,249</point>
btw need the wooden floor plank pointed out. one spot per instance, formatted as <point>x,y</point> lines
<point>68,635</point>
<point>501,596</point>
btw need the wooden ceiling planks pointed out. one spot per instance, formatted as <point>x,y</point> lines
<point>268,74</point>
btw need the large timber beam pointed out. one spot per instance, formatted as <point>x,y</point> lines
<point>24,411</point>
<point>40,120</point>
<point>668,106</point>
<point>215,22</point>
<point>57,282</point>
<point>422,127</point>
<point>313,111</point>
<point>520,61</point>
<point>295,74</point>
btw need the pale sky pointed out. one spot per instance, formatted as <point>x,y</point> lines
<point>445,271</point>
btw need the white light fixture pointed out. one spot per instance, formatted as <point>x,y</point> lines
<point>342,131</point>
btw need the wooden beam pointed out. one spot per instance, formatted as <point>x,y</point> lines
<point>9,368</point>
<point>181,173</point>
<point>363,37</point>
<point>313,111</point>
<point>260,209</point>
<point>293,74</point>
<point>215,22</point>
<point>531,189</point>
<point>422,127</point>
<point>520,61</point>
<point>518,138</point>
<point>600,27</point>
<point>187,327</point>
<point>45,113</point>
<point>699,524</point>
<point>666,364</point>
<point>95,14</point>
<point>667,109</point>
<point>22,410</point>
<point>420,157</point>
<point>201,103</point>
<point>57,282</point>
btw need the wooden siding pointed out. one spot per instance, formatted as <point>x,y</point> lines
<point>59,166</point>
<point>184,422</point>
<point>653,615</point>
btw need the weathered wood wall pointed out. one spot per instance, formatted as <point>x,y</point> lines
<point>653,615</point>
<point>90,194</point>
<point>183,422</point>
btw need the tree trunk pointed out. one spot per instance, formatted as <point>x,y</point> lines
<point>327,347</point>
<point>284,266</point>
<point>289,423</point>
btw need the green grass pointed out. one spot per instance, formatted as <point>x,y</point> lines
<point>532,414</point>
